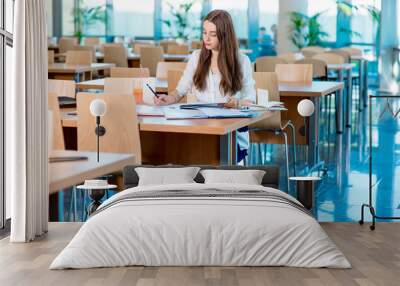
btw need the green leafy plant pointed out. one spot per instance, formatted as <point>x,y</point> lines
<point>85,17</point>
<point>305,30</point>
<point>179,26</point>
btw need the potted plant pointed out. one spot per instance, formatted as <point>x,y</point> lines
<point>179,25</point>
<point>84,17</point>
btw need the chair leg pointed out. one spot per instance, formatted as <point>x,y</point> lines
<point>294,147</point>
<point>287,160</point>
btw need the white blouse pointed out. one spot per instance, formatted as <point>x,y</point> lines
<point>212,93</point>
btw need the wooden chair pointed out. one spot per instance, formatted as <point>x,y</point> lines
<point>63,88</point>
<point>116,54</point>
<point>330,58</point>
<point>164,67</point>
<point>119,85</point>
<point>165,43</point>
<point>130,72</point>
<point>309,54</point>
<point>138,46</point>
<point>318,67</point>
<point>50,57</point>
<point>178,49</point>
<point>79,58</point>
<point>195,45</point>
<point>315,49</point>
<point>342,53</point>
<point>150,57</point>
<point>268,63</point>
<point>91,49</point>
<point>67,43</point>
<point>91,41</point>
<point>294,73</point>
<point>352,51</point>
<point>291,57</point>
<point>58,135</point>
<point>262,131</point>
<point>120,123</point>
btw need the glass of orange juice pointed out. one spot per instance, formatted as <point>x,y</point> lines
<point>137,91</point>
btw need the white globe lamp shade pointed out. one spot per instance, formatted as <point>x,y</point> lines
<point>98,107</point>
<point>305,108</point>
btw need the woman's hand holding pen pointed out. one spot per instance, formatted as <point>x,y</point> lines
<point>171,98</point>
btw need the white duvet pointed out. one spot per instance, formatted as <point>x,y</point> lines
<point>206,231</point>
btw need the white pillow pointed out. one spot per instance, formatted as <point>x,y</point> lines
<point>248,177</point>
<point>166,176</point>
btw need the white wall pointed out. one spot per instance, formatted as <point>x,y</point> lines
<point>286,6</point>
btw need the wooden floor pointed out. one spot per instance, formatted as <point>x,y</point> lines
<point>375,257</point>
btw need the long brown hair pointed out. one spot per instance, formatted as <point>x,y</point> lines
<point>228,61</point>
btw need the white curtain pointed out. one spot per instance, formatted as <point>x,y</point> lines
<point>26,124</point>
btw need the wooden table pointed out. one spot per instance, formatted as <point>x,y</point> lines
<point>76,72</point>
<point>192,141</point>
<point>134,59</point>
<point>161,85</point>
<point>66,174</point>
<point>292,94</point>
<point>341,69</point>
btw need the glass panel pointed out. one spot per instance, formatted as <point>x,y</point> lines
<point>190,27</point>
<point>9,15</point>
<point>133,18</point>
<point>68,17</point>
<point>238,11</point>
<point>7,82</point>
<point>49,17</point>
<point>93,15</point>
<point>362,23</point>
<point>328,11</point>
<point>268,20</point>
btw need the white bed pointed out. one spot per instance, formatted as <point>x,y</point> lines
<point>185,230</point>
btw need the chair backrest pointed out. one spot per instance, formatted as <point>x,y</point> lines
<point>352,51</point>
<point>91,49</point>
<point>119,85</point>
<point>291,57</point>
<point>319,67</point>
<point>116,54</point>
<point>91,41</point>
<point>268,81</point>
<point>50,57</point>
<point>178,49</point>
<point>130,72</point>
<point>58,135</point>
<point>120,123</point>
<point>315,49</point>
<point>330,58</point>
<point>150,57</point>
<point>164,67</point>
<point>196,45</point>
<point>268,63</point>
<point>138,46</point>
<point>173,77</point>
<point>342,53</point>
<point>165,43</point>
<point>65,44</point>
<point>294,73</point>
<point>65,88</point>
<point>309,54</point>
<point>79,57</point>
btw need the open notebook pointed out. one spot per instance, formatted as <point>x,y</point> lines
<point>175,112</point>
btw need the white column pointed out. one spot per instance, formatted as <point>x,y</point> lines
<point>285,7</point>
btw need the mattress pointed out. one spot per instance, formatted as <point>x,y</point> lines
<point>201,225</point>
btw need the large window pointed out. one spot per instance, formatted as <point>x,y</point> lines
<point>269,13</point>
<point>177,7</point>
<point>6,41</point>
<point>68,17</point>
<point>327,19</point>
<point>362,23</point>
<point>133,18</point>
<point>238,11</point>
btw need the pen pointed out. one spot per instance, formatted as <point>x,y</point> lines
<point>152,90</point>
